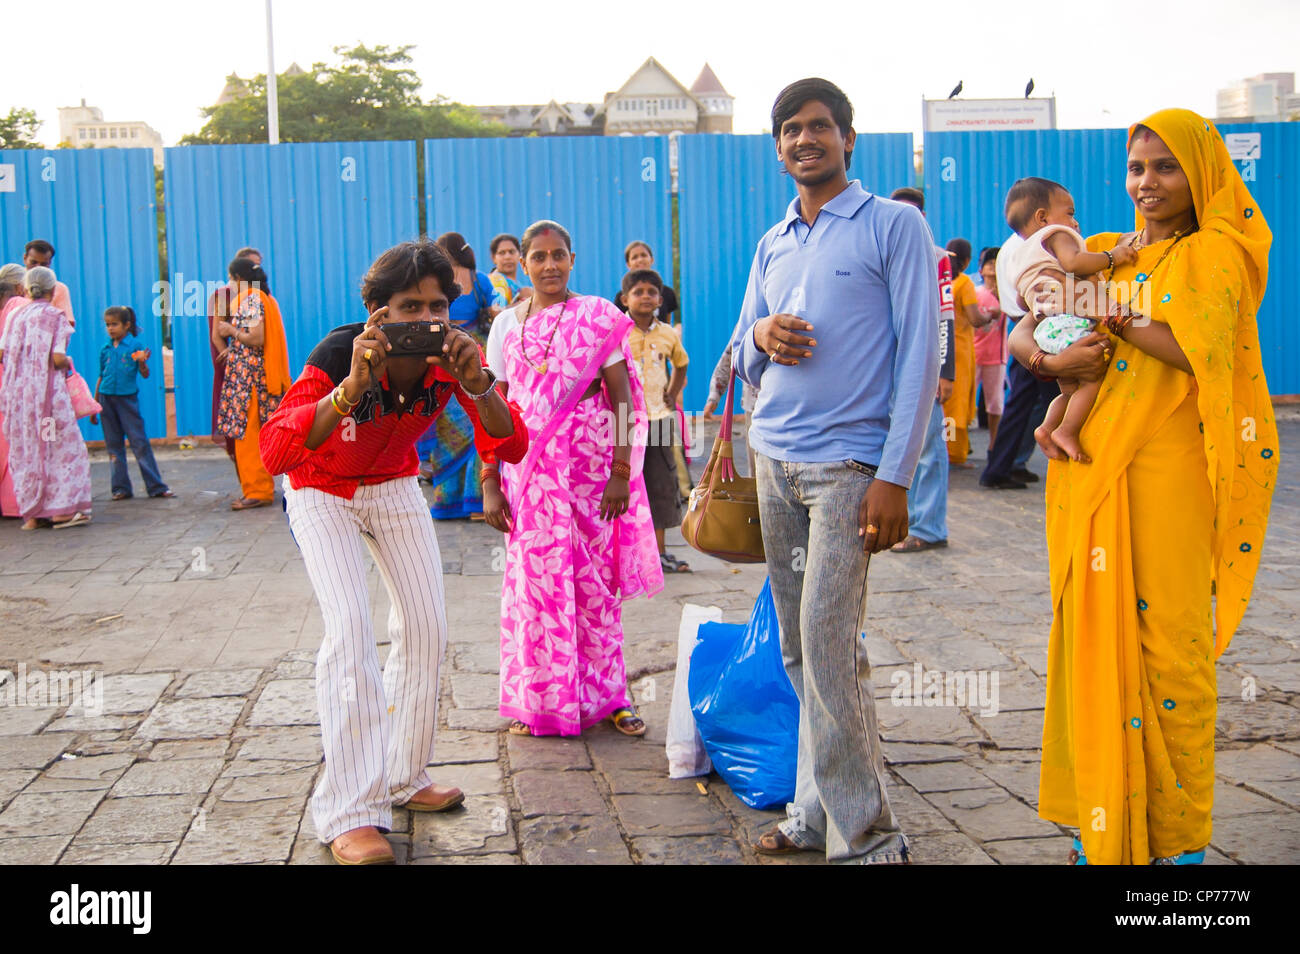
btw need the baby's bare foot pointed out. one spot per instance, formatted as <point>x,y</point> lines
<point>1070,444</point>
<point>1044,438</point>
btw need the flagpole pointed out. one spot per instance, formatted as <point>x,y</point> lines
<point>272,97</point>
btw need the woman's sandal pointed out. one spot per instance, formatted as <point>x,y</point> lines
<point>776,842</point>
<point>1076,856</point>
<point>671,564</point>
<point>626,717</point>
<point>122,496</point>
<point>518,728</point>
<point>249,503</point>
<point>78,519</point>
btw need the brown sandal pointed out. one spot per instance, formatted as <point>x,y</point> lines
<point>249,503</point>
<point>915,545</point>
<point>519,728</point>
<point>776,842</point>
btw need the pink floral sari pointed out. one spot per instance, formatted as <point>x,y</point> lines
<point>47,456</point>
<point>567,570</point>
<point>8,502</point>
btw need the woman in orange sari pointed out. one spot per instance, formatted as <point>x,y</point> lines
<point>1155,544</point>
<point>257,375</point>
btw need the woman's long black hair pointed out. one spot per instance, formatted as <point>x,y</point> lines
<point>248,272</point>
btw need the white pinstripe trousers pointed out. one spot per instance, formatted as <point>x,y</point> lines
<point>378,736</point>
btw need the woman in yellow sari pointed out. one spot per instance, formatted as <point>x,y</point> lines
<point>960,406</point>
<point>256,377</point>
<point>1155,544</point>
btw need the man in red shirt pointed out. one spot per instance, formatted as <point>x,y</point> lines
<point>345,435</point>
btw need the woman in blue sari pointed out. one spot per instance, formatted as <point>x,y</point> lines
<point>447,447</point>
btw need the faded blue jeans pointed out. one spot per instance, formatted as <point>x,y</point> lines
<point>819,585</point>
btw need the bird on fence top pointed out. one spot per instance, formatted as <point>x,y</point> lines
<point>956,89</point>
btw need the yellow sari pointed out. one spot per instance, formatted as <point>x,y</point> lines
<point>1139,541</point>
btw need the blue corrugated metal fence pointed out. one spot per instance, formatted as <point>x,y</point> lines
<point>606,191</point>
<point>731,190</point>
<point>319,213</point>
<point>967,175</point>
<point>96,207</point>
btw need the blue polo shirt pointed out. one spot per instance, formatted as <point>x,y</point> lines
<point>863,276</point>
<point>117,369</point>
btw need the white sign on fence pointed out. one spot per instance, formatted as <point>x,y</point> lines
<point>968,115</point>
<point>1243,145</point>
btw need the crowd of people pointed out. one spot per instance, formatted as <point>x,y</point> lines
<point>1136,358</point>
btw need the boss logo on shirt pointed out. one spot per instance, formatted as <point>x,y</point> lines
<point>842,274</point>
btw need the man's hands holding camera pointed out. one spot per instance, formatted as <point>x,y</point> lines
<point>370,355</point>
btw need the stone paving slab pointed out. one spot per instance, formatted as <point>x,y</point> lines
<point>191,718</point>
<point>208,744</point>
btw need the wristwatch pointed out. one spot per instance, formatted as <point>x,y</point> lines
<point>492,383</point>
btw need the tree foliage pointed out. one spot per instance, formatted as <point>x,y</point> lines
<point>372,94</point>
<point>18,129</point>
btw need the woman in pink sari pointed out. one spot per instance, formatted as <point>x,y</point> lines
<point>11,298</point>
<point>575,509</point>
<point>47,456</point>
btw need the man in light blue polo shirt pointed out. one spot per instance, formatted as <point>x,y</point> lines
<point>838,332</point>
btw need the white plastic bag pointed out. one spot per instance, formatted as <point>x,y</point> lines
<point>686,755</point>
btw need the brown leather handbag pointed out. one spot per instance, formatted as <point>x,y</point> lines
<point>722,517</point>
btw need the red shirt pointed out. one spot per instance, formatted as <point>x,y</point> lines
<point>376,442</point>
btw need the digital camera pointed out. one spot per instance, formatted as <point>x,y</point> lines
<point>415,339</point>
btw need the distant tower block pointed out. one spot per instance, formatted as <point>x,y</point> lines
<point>718,105</point>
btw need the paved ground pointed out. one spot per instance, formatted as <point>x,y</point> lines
<point>207,747</point>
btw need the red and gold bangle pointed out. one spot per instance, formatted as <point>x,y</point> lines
<point>621,468</point>
<point>1036,364</point>
<point>1117,324</point>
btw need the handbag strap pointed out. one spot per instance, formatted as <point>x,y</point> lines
<point>724,430</point>
<point>727,467</point>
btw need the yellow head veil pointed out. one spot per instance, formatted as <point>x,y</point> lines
<point>1222,202</point>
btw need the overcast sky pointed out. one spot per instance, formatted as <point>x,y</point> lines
<point>1108,62</point>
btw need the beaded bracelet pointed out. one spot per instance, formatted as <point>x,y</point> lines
<point>621,468</point>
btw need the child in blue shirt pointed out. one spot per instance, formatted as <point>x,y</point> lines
<point>116,391</point>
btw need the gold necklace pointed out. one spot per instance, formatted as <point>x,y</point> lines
<point>540,367</point>
<point>1177,237</point>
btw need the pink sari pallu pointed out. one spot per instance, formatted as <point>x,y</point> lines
<point>567,570</point>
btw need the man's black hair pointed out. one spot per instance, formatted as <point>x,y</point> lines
<point>792,99</point>
<point>39,245</point>
<point>640,276</point>
<point>405,266</point>
<point>909,195</point>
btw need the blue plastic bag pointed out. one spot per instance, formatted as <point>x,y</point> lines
<point>745,707</point>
